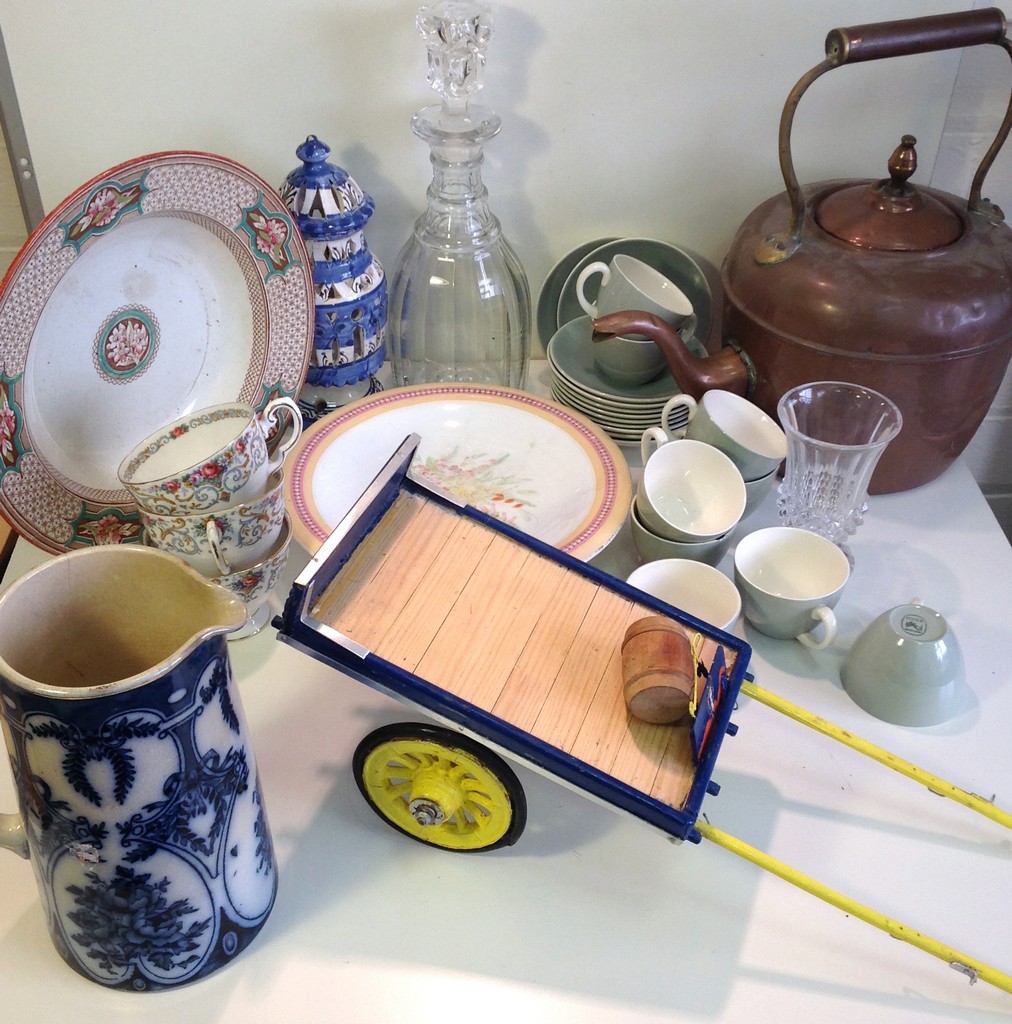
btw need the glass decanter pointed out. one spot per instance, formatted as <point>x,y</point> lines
<point>459,305</point>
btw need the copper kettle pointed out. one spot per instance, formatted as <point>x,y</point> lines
<point>903,289</point>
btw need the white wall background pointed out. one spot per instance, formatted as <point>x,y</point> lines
<point>649,117</point>
<point>979,99</point>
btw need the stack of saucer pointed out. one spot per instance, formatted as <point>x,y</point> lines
<point>624,412</point>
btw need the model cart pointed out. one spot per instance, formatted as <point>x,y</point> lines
<point>514,649</point>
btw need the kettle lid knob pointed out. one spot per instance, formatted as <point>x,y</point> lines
<point>902,165</point>
<point>890,214</point>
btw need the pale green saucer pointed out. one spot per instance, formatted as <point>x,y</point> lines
<point>571,354</point>
<point>551,290</point>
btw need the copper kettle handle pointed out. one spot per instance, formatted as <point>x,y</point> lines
<point>873,42</point>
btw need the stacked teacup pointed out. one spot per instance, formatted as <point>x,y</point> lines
<point>209,490</point>
<point>628,283</point>
<point>701,480</point>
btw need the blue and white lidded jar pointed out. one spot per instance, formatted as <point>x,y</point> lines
<point>331,211</point>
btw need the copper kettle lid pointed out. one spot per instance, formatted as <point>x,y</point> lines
<point>891,214</point>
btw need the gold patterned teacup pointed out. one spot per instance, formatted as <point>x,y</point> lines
<point>209,459</point>
<point>224,540</point>
<point>255,584</point>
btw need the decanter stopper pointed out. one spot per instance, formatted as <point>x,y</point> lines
<point>456,34</point>
<point>460,305</point>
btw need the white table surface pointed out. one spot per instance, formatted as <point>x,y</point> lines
<point>594,917</point>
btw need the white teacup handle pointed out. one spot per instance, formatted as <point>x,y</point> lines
<point>213,532</point>
<point>12,834</point>
<point>828,619</point>
<point>590,308</point>
<point>652,437</point>
<point>269,419</point>
<point>678,402</point>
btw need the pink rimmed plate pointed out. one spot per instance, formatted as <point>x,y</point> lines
<point>539,467</point>
<point>167,284</point>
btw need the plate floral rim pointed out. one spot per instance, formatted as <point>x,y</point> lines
<point>599,524</point>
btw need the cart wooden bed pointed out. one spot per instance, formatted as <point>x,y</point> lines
<point>508,640</point>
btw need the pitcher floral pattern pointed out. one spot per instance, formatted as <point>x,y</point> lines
<point>147,824</point>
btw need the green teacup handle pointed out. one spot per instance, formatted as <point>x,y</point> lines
<point>590,308</point>
<point>828,619</point>
<point>679,401</point>
<point>656,436</point>
<point>653,438</point>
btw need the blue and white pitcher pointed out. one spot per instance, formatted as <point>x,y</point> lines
<point>140,805</point>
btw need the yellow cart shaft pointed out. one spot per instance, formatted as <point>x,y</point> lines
<point>972,968</point>
<point>911,771</point>
<point>967,965</point>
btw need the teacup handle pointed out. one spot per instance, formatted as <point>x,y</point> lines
<point>213,532</point>
<point>678,402</point>
<point>590,308</point>
<point>12,834</point>
<point>828,619</point>
<point>270,418</point>
<point>653,437</point>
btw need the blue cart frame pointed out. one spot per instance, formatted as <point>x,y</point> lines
<point>298,627</point>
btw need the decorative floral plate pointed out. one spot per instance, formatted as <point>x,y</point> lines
<point>545,470</point>
<point>167,284</point>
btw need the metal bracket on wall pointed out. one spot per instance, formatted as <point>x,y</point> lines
<point>17,146</point>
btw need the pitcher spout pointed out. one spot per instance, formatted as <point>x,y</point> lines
<point>108,618</point>
<point>727,370</point>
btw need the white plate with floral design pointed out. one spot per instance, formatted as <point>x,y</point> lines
<point>167,284</point>
<point>539,467</point>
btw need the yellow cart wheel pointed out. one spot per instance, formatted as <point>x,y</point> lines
<point>440,787</point>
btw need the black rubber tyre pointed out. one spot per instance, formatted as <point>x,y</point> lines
<point>440,787</point>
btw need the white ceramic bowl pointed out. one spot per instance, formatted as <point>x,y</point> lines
<point>693,587</point>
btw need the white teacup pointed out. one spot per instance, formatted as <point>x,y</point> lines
<point>224,540</point>
<point>209,459</point>
<point>652,547</point>
<point>629,283</point>
<point>750,438</point>
<point>755,491</point>
<point>790,581</point>
<point>693,587</point>
<point>690,491</point>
